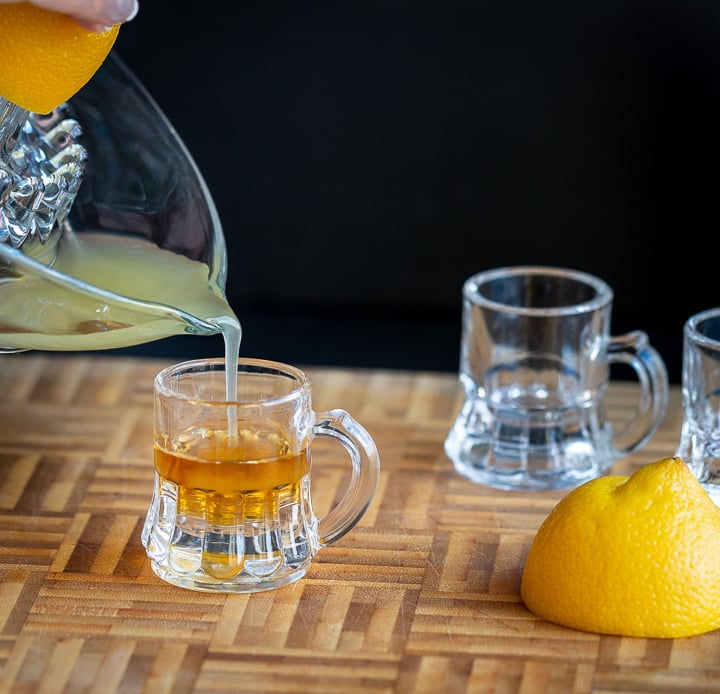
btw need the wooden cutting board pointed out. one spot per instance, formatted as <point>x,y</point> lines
<point>422,596</point>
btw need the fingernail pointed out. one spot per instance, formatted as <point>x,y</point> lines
<point>133,11</point>
<point>124,11</point>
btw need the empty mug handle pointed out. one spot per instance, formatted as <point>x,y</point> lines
<point>634,349</point>
<point>365,459</point>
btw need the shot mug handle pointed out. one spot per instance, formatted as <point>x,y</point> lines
<point>365,459</point>
<point>634,350</point>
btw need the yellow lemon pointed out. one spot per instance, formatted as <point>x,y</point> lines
<point>631,556</point>
<point>46,57</point>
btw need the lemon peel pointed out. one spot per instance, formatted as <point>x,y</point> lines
<point>47,57</point>
<point>630,556</point>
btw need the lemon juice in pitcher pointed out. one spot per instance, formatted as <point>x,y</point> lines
<point>108,234</point>
<point>106,291</point>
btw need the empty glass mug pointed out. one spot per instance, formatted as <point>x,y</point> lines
<point>535,357</point>
<point>231,508</point>
<point>699,444</point>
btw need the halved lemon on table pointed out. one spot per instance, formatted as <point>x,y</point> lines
<point>630,556</point>
<point>47,57</point>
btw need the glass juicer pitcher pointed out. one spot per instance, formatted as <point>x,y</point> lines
<point>108,234</point>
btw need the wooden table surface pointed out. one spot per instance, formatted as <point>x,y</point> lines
<point>422,596</point>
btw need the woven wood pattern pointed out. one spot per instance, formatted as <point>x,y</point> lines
<point>422,596</point>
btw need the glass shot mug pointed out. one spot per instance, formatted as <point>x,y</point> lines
<point>535,366</point>
<point>699,444</point>
<point>231,509</point>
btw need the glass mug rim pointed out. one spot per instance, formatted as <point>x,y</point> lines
<point>693,327</point>
<point>603,293</point>
<point>298,380</point>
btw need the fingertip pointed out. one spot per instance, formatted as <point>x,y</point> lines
<point>133,11</point>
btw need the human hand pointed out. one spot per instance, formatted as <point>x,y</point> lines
<point>95,15</point>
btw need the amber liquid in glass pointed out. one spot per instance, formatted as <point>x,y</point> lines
<point>240,503</point>
<point>225,479</point>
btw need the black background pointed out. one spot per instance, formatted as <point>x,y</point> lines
<point>367,158</point>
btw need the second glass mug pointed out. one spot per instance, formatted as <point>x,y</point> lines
<point>699,444</point>
<point>231,509</point>
<point>535,358</point>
